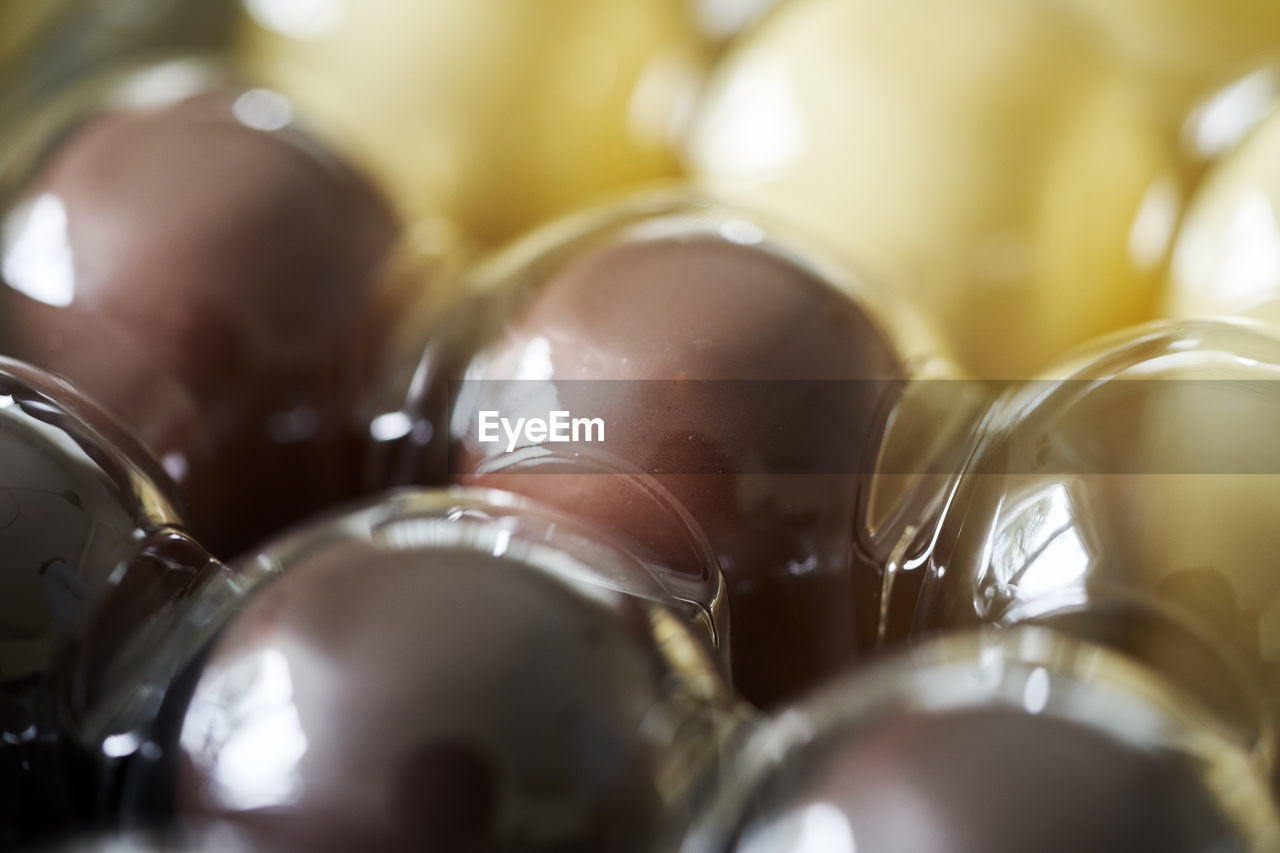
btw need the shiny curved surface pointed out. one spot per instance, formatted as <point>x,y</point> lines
<point>91,560</point>
<point>1227,257</point>
<point>992,743</point>
<point>983,157</point>
<point>447,670</point>
<point>178,248</point>
<point>676,323</point>
<point>490,114</point>
<point>1132,503</point>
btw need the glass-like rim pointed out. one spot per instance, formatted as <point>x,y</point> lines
<point>680,209</point>
<point>495,522</point>
<point>707,591</point>
<point>675,208</point>
<point>151,80</point>
<point>52,410</point>
<point>135,473</point>
<point>1232,343</point>
<point>693,670</point>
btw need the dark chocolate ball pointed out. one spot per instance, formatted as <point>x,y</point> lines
<point>995,743</point>
<point>437,685</point>
<point>989,780</point>
<point>211,276</point>
<point>91,559</point>
<point>735,379</point>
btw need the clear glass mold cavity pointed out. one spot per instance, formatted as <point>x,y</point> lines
<point>468,633</point>
<point>1131,501</point>
<point>95,567</point>
<point>683,325</point>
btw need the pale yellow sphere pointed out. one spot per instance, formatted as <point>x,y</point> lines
<point>491,113</point>
<point>1227,256</point>
<point>980,155</point>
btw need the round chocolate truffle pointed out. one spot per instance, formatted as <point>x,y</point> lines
<point>434,673</point>
<point>212,277</point>
<point>735,388</point>
<point>1133,503</point>
<point>990,780</point>
<point>980,748</point>
<point>92,564</point>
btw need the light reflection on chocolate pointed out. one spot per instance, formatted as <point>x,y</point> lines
<point>447,679</point>
<point>992,742</point>
<point>682,301</point>
<point>211,276</point>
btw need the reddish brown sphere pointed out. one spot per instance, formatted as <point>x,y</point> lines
<point>217,287</point>
<point>989,780</point>
<point>738,382</point>
<point>434,698</point>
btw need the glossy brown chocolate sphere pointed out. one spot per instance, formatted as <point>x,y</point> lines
<point>210,276</point>
<point>994,780</point>
<point>424,677</point>
<point>992,746</point>
<point>735,381</point>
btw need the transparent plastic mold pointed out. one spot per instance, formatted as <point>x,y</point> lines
<point>96,574</point>
<point>739,391</point>
<point>1130,501</point>
<point>455,667</point>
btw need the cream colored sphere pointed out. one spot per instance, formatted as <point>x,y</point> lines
<point>1227,256</point>
<point>492,113</point>
<point>980,155</point>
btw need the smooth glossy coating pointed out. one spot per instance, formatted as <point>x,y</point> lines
<point>981,156</point>
<point>992,746</point>
<point>995,780</point>
<point>686,330</point>
<point>1227,257</point>
<point>492,114</point>
<point>1133,503</point>
<point>431,673</point>
<point>212,277</point>
<point>90,561</point>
